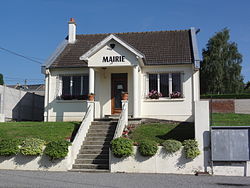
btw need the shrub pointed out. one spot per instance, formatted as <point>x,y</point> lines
<point>32,146</point>
<point>148,148</point>
<point>57,149</point>
<point>191,148</point>
<point>9,147</point>
<point>122,147</point>
<point>172,145</point>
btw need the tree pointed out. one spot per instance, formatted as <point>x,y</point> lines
<point>1,79</point>
<point>221,66</point>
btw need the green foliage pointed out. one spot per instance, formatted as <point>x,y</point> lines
<point>32,146</point>
<point>191,149</point>
<point>159,132</point>
<point>230,119</point>
<point>122,147</point>
<point>221,66</point>
<point>172,146</point>
<point>226,96</point>
<point>57,149</point>
<point>1,79</point>
<point>9,147</point>
<point>148,148</point>
<point>48,131</point>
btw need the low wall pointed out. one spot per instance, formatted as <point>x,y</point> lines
<point>160,163</point>
<point>175,163</point>
<point>239,106</point>
<point>223,106</point>
<point>43,162</point>
<point>242,106</point>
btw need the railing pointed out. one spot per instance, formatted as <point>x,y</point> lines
<point>123,120</point>
<point>82,132</point>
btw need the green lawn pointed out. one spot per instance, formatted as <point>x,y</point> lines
<point>230,119</point>
<point>48,131</point>
<point>162,132</point>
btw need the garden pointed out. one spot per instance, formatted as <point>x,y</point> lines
<point>37,138</point>
<point>171,136</point>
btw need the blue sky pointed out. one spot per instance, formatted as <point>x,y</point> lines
<point>34,28</point>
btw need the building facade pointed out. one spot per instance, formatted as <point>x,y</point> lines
<point>159,70</point>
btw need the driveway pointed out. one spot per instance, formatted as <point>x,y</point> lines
<point>27,179</point>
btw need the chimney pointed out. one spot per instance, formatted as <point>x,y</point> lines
<point>72,31</point>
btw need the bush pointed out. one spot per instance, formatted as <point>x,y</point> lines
<point>57,149</point>
<point>122,147</point>
<point>191,149</point>
<point>172,145</point>
<point>32,146</point>
<point>9,147</point>
<point>148,148</point>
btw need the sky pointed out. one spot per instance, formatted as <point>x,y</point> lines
<point>34,28</point>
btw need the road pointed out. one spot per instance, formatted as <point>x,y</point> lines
<point>35,179</point>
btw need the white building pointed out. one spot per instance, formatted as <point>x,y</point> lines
<point>109,64</point>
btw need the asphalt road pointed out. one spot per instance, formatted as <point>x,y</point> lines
<point>34,179</point>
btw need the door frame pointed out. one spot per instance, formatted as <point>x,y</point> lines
<point>117,77</point>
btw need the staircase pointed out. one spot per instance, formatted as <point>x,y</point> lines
<point>94,153</point>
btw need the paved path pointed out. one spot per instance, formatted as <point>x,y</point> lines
<point>34,179</point>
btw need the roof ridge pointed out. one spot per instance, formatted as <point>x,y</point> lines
<point>180,30</point>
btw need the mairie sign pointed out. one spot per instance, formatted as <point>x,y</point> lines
<point>112,59</point>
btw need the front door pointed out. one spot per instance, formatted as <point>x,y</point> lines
<point>118,85</point>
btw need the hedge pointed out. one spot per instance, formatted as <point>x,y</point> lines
<point>9,147</point>
<point>226,96</point>
<point>57,149</point>
<point>122,147</point>
<point>148,148</point>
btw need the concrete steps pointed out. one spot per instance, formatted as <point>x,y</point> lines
<point>94,153</point>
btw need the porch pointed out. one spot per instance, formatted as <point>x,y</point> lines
<point>108,83</point>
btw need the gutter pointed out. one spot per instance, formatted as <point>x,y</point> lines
<point>195,48</point>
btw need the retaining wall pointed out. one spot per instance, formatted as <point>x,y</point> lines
<point>162,162</point>
<point>43,162</point>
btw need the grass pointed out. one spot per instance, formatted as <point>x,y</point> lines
<point>230,119</point>
<point>48,131</point>
<point>162,132</point>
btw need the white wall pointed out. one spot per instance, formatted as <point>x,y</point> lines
<point>43,162</point>
<point>96,59</point>
<point>162,162</point>
<point>20,105</point>
<point>103,88</point>
<point>171,109</point>
<point>62,110</point>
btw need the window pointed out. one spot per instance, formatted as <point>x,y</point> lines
<point>75,87</point>
<point>165,83</point>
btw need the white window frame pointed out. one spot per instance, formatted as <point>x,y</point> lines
<point>170,82</point>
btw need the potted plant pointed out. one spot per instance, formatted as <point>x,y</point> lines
<point>124,95</point>
<point>91,97</point>
<point>153,94</point>
<point>175,94</point>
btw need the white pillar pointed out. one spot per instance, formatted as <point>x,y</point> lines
<point>91,80</point>
<point>125,108</point>
<point>91,106</point>
<point>135,89</point>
